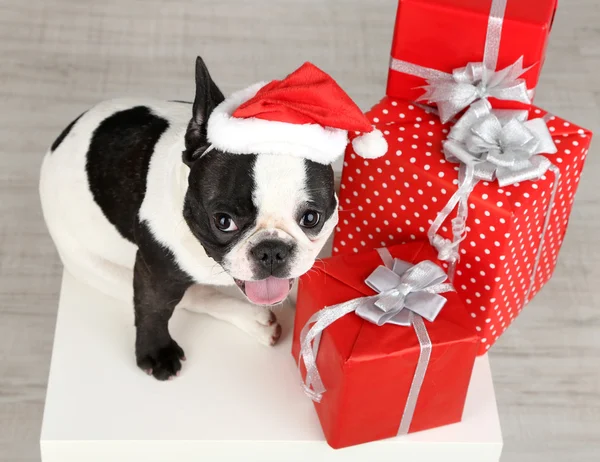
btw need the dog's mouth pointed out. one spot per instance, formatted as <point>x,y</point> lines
<point>268,291</point>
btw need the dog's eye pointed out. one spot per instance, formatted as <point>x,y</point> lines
<point>225,223</point>
<point>310,219</point>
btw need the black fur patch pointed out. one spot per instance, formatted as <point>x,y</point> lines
<point>64,134</point>
<point>320,186</point>
<point>117,164</point>
<point>220,183</point>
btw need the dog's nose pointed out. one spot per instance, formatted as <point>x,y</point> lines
<point>271,254</point>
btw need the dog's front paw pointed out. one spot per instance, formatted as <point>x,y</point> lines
<point>266,328</point>
<point>164,363</point>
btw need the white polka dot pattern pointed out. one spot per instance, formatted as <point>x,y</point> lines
<point>504,224</point>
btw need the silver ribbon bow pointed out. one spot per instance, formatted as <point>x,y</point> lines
<point>490,145</point>
<point>500,145</point>
<point>454,92</point>
<point>476,81</point>
<point>406,294</point>
<point>404,288</point>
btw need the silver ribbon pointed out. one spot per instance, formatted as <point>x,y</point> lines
<point>494,33</point>
<point>406,294</point>
<point>454,92</point>
<point>554,169</point>
<point>500,146</point>
<point>489,145</point>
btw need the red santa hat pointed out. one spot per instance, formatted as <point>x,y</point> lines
<point>306,114</point>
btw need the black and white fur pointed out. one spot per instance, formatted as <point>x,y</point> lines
<point>130,200</point>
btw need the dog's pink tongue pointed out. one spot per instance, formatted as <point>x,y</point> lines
<point>268,291</point>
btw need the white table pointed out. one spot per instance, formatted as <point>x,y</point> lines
<point>235,400</point>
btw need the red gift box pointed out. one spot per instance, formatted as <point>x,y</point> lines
<point>457,32</point>
<point>395,199</point>
<point>367,369</point>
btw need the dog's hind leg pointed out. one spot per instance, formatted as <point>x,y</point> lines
<point>257,321</point>
<point>89,246</point>
<point>106,276</point>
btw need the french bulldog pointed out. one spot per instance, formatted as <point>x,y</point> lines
<point>141,206</point>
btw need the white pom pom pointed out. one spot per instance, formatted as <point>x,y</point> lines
<point>370,145</point>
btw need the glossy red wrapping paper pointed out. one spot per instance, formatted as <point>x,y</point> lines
<point>394,199</point>
<point>449,34</point>
<point>368,370</point>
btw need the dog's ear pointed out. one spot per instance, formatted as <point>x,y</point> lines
<point>208,97</point>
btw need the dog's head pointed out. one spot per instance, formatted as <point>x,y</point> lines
<point>263,218</point>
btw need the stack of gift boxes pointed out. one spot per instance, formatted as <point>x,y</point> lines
<point>478,184</point>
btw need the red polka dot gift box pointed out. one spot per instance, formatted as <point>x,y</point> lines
<point>506,246</point>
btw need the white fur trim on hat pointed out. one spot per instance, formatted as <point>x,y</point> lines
<point>370,145</point>
<point>258,136</point>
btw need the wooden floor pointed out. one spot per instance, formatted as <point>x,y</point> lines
<point>57,57</point>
